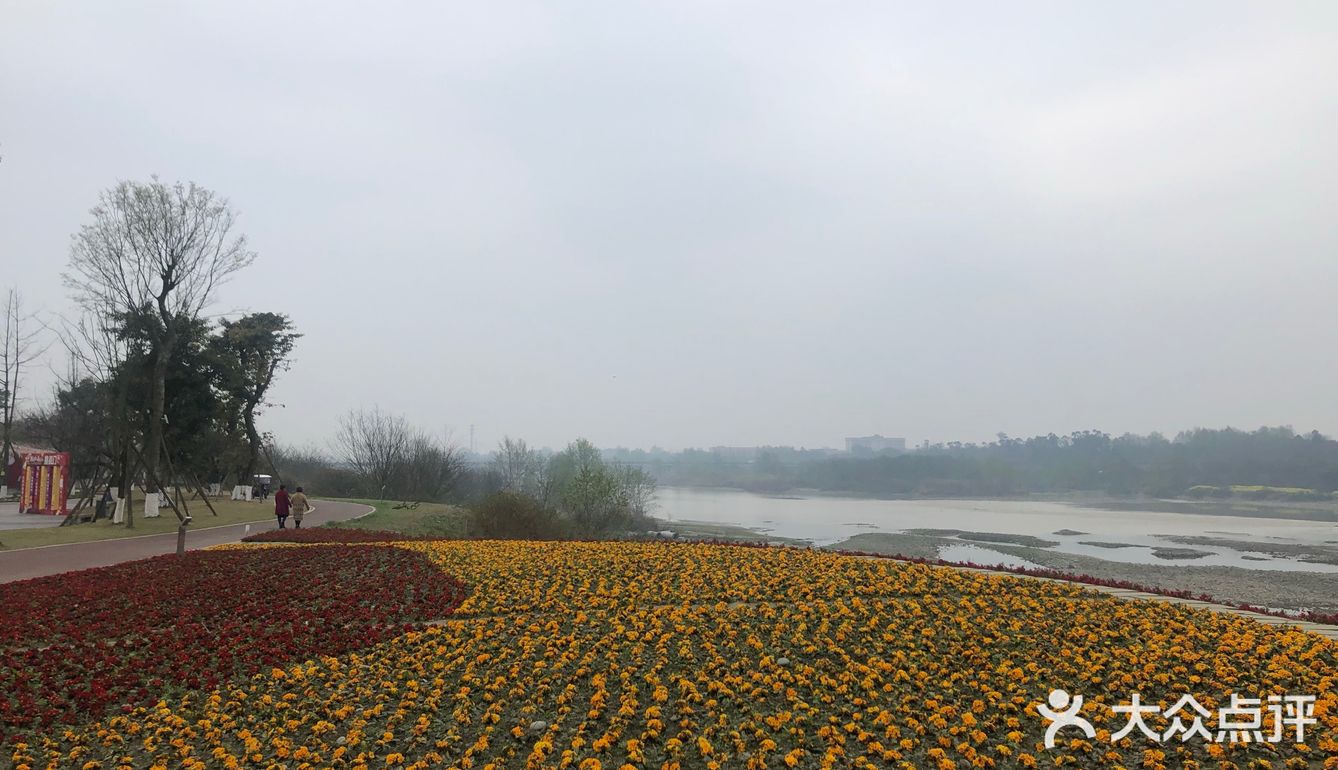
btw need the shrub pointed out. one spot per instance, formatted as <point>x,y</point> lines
<point>514,516</point>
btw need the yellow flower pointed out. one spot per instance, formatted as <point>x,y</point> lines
<point>650,655</point>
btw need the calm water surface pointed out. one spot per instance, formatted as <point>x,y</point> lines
<point>827,520</point>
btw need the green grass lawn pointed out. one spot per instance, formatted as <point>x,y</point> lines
<point>427,519</point>
<point>229,512</point>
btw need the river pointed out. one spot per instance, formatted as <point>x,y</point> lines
<point>825,520</point>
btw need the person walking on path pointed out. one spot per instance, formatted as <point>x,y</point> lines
<point>298,501</point>
<point>281,505</point>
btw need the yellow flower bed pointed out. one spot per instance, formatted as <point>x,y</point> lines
<point>609,656</point>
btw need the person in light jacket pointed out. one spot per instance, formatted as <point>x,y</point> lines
<point>298,501</point>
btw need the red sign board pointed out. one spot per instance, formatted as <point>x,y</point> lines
<point>45,482</point>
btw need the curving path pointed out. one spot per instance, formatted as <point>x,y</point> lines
<point>24,563</point>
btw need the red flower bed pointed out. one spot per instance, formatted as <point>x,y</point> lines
<point>74,645</point>
<point>328,535</point>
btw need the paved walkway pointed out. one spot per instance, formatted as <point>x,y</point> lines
<point>10,518</point>
<point>53,559</point>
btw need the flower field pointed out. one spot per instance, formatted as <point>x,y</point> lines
<point>325,535</point>
<point>74,645</point>
<point>610,656</point>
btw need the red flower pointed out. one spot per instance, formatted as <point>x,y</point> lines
<point>76,645</point>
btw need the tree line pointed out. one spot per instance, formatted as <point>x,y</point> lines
<point>1199,463</point>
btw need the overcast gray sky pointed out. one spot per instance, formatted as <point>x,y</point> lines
<point>691,224</point>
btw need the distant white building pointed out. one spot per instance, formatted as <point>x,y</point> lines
<point>874,444</point>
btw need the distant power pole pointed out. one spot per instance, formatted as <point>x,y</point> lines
<point>471,438</point>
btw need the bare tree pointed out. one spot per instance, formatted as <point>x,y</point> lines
<point>98,353</point>
<point>431,469</point>
<point>156,252</point>
<point>519,467</point>
<point>374,445</point>
<point>395,460</point>
<point>638,488</point>
<point>21,345</point>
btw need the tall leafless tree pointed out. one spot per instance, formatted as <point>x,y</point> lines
<point>94,348</point>
<point>21,345</point>
<point>98,353</point>
<point>638,488</point>
<point>519,467</point>
<point>393,458</point>
<point>431,469</point>
<point>157,252</point>
<point>374,445</point>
